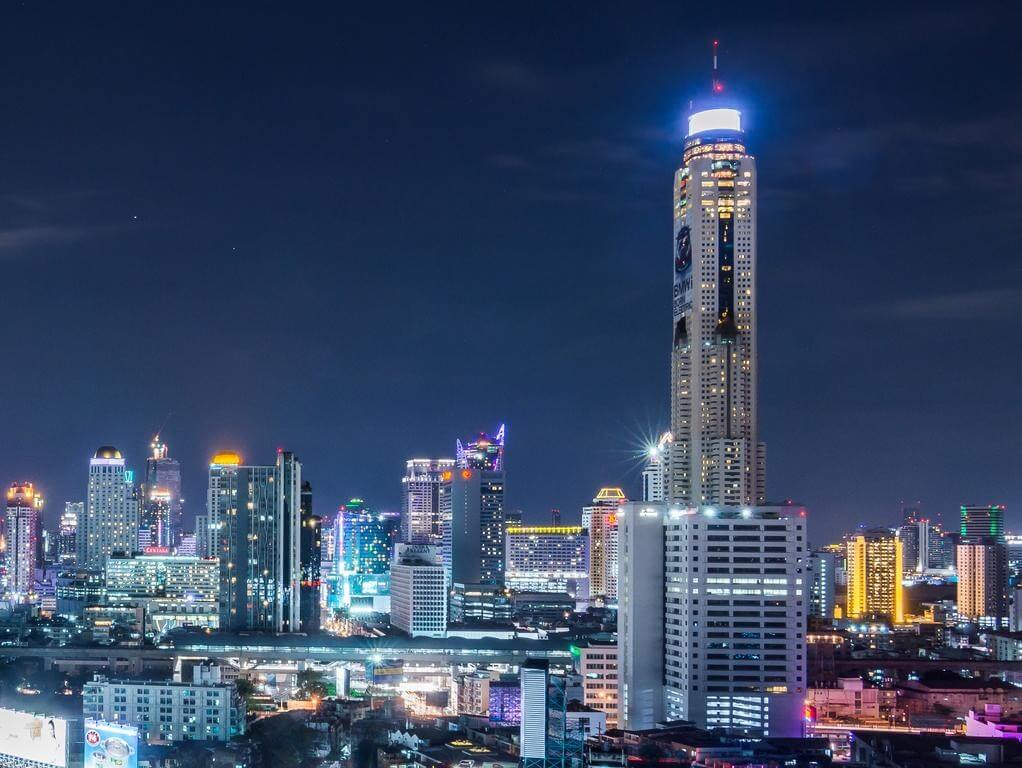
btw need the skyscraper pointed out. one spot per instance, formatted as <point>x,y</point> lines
<point>876,567</point>
<point>155,529</point>
<point>67,533</point>
<point>472,511</point>
<point>367,546</point>
<point>221,498</point>
<point>162,473</point>
<point>716,456</point>
<point>982,564</point>
<point>311,561</point>
<point>420,500</point>
<point>24,510</point>
<point>601,521</point>
<point>259,524</point>
<point>110,522</point>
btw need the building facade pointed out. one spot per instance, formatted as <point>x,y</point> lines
<point>110,521</point>
<point>418,591</point>
<point>166,712</point>
<point>548,559</point>
<point>420,500</point>
<point>597,663</point>
<point>656,475</point>
<point>67,533</point>
<point>22,531</point>
<point>258,522</point>
<point>311,562</point>
<point>876,568</point>
<point>600,519</point>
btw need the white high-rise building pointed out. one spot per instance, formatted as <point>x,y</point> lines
<point>716,456</point>
<point>110,522</point>
<point>418,591</point>
<point>600,520</point>
<point>656,475</point>
<point>732,587</point>
<point>420,499</point>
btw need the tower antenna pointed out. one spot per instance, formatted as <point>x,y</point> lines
<point>718,86</point>
<point>164,424</point>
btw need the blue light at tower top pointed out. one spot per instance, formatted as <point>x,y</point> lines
<point>485,452</point>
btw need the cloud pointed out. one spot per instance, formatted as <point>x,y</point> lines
<point>962,305</point>
<point>17,239</point>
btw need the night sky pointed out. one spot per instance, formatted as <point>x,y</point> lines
<point>360,235</point>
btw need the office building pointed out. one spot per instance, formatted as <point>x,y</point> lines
<point>418,591</point>
<point>983,584</point>
<point>366,551</point>
<point>474,602</point>
<point>186,546</point>
<point>22,531</point>
<point>204,538</point>
<point>981,524</point>
<point>311,558</point>
<point>875,562</point>
<point>472,511</point>
<point>600,520</point>
<point>596,661</point>
<point>912,536</point>
<point>78,588</point>
<point>982,564</point>
<point>155,524</point>
<point>67,533</point>
<point>822,573</point>
<point>420,500</point>
<point>656,474</point>
<point>715,456</point>
<point>110,522</point>
<point>548,559</point>
<point>178,577</point>
<point>1013,542</point>
<point>167,712</point>
<point>692,582</point>
<point>162,507</point>
<point>257,519</point>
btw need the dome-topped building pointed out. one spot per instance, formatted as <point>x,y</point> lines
<point>107,452</point>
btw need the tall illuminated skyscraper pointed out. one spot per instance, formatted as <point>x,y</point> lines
<point>983,566</point>
<point>110,522</point>
<point>420,500</point>
<point>472,511</point>
<point>600,520</point>
<point>258,515</point>
<point>161,513</point>
<point>716,456</point>
<point>24,510</point>
<point>875,569</point>
<point>67,534</point>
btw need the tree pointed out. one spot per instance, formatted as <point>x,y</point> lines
<point>311,684</point>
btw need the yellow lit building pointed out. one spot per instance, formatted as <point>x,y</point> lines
<point>874,561</point>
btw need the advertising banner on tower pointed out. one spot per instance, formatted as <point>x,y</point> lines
<point>108,745</point>
<point>682,282</point>
<point>38,738</point>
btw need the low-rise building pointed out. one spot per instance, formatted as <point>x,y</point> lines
<point>166,711</point>
<point>947,693</point>
<point>852,700</point>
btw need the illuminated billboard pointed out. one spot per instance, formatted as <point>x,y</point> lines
<point>38,738</point>
<point>682,283</point>
<point>110,746</point>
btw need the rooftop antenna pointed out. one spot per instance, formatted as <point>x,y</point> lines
<point>162,425</point>
<point>718,86</point>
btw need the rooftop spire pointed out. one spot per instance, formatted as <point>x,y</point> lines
<point>718,86</point>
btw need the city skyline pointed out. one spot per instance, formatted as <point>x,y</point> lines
<point>584,189</point>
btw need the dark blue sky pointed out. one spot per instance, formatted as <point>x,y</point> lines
<point>362,234</point>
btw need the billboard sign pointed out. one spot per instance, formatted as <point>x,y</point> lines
<point>682,282</point>
<point>38,738</point>
<point>108,745</point>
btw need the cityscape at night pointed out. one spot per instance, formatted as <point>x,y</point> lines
<point>354,419</point>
